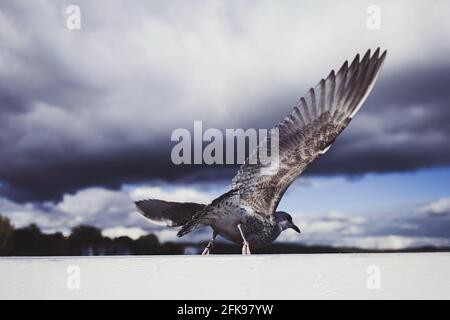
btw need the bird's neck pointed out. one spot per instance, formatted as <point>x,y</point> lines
<point>283,225</point>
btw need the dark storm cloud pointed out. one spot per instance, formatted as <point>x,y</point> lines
<point>96,107</point>
<point>411,132</point>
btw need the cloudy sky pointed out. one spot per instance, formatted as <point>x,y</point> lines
<point>86,115</point>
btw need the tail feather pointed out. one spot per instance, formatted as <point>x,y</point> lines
<point>189,227</point>
<point>171,214</point>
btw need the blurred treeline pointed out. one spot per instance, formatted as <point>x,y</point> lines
<point>87,240</point>
<point>83,240</point>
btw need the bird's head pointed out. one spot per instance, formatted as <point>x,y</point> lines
<point>284,220</point>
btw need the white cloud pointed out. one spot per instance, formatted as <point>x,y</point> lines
<point>391,242</point>
<point>352,230</point>
<point>326,226</point>
<point>89,202</point>
<point>133,233</point>
<point>384,231</point>
<point>112,211</point>
<point>439,207</point>
<point>22,215</point>
<point>409,226</point>
<point>341,230</point>
<point>336,215</point>
<point>333,223</point>
<point>182,194</point>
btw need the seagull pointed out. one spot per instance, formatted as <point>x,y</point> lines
<point>247,214</point>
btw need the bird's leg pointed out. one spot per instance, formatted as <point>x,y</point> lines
<point>245,246</point>
<point>210,245</point>
<point>208,248</point>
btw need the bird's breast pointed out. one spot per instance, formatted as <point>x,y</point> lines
<point>258,230</point>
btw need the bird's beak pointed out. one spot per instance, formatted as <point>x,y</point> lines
<point>295,228</point>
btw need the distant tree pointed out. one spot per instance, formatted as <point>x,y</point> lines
<point>6,236</point>
<point>31,241</point>
<point>87,240</point>
<point>55,244</point>
<point>28,241</point>
<point>147,244</point>
<point>122,246</point>
<point>172,248</point>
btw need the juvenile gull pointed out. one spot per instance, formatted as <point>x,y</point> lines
<point>247,213</point>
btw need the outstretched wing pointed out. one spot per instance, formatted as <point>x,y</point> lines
<point>171,214</point>
<point>305,134</point>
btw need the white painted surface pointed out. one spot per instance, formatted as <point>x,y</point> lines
<point>324,276</point>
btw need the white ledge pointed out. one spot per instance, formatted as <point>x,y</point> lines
<point>306,276</point>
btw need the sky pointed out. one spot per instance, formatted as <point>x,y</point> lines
<point>86,115</point>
